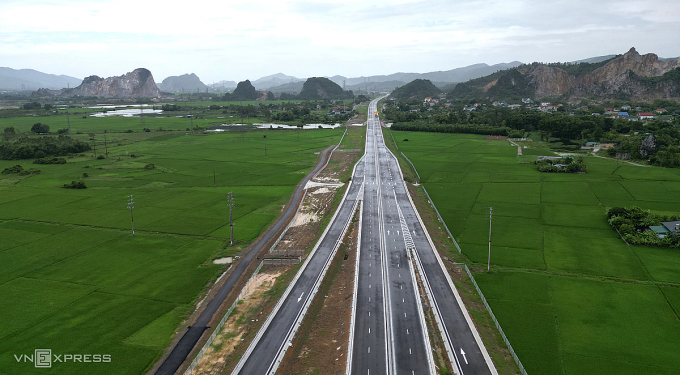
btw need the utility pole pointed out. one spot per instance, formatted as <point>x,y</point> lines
<point>488,266</point>
<point>106,146</point>
<point>94,145</point>
<point>141,115</point>
<point>132,219</point>
<point>231,221</point>
<point>68,120</point>
<point>214,180</point>
<point>241,110</point>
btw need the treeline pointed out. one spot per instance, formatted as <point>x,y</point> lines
<point>421,126</point>
<point>555,125</point>
<point>40,147</point>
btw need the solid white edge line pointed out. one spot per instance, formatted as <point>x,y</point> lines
<point>350,343</point>
<point>421,312</point>
<point>310,296</point>
<point>463,308</point>
<point>255,341</point>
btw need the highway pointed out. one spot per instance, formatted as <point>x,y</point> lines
<point>389,332</point>
<point>393,241</point>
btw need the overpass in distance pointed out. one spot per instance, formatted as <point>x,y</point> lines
<point>388,334</point>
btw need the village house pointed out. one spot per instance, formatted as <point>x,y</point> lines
<point>646,116</point>
<point>666,228</point>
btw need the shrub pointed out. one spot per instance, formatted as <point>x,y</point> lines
<point>40,128</point>
<point>13,170</point>
<point>50,160</point>
<point>100,157</point>
<point>75,185</point>
<point>149,167</point>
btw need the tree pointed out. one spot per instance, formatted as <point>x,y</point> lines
<point>40,128</point>
<point>9,133</point>
<point>33,105</point>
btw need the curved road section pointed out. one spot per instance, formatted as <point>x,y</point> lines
<point>194,332</point>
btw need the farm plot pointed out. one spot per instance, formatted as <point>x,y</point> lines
<point>571,295</point>
<point>74,279</point>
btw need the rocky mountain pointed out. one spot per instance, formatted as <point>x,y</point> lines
<point>244,91</point>
<point>419,89</point>
<point>27,79</point>
<point>630,76</point>
<point>323,88</point>
<point>185,82</point>
<point>135,84</point>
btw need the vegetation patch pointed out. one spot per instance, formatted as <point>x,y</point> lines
<point>50,160</point>
<point>40,147</point>
<point>644,227</point>
<point>75,185</point>
<point>18,169</point>
<point>565,164</point>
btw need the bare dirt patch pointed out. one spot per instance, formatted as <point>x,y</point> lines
<point>249,310</point>
<point>318,205</point>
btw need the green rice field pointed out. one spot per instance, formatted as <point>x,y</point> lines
<point>572,297</point>
<point>75,280</point>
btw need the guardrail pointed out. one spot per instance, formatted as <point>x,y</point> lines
<point>200,354</point>
<point>493,317</point>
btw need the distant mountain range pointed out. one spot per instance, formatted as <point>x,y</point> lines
<point>390,81</point>
<point>29,79</point>
<point>274,80</point>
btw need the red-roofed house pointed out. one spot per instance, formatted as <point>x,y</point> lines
<point>660,110</point>
<point>644,116</point>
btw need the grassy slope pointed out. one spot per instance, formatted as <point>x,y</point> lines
<point>73,279</point>
<point>572,297</point>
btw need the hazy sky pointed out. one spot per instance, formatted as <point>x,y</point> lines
<point>237,40</point>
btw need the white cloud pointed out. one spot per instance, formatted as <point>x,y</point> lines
<point>218,40</point>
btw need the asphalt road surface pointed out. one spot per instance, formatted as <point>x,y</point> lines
<point>391,233</point>
<point>195,331</point>
<point>266,350</point>
<point>389,330</point>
